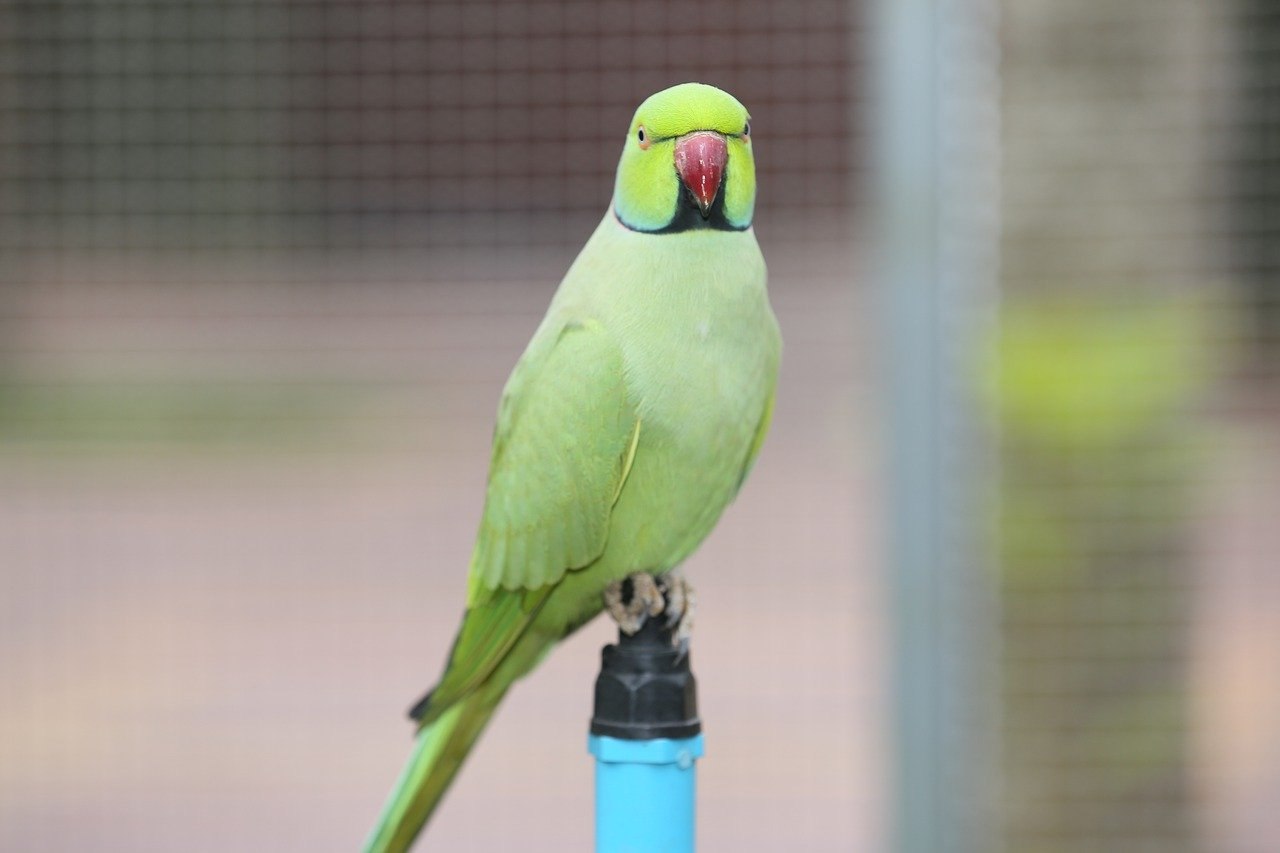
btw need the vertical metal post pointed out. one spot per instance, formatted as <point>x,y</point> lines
<point>646,737</point>
<point>936,175</point>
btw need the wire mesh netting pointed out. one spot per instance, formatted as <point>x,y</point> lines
<point>323,126</point>
<point>1138,374</point>
<point>264,267</point>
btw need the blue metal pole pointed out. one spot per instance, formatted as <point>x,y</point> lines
<point>646,738</point>
<point>937,173</point>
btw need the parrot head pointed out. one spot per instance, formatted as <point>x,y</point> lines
<point>687,163</point>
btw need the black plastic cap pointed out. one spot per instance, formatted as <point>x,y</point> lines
<point>645,689</point>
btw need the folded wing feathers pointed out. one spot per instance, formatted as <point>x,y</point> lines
<point>568,438</point>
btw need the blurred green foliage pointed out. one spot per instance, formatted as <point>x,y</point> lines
<point>1086,375</point>
<point>1098,406</point>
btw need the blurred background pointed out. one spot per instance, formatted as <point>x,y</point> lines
<point>1002,579</point>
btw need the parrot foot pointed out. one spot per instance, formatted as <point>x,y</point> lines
<point>682,603</point>
<point>632,600</point>
<point>640,596</point>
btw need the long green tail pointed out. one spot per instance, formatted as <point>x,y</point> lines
<point>437,755</point>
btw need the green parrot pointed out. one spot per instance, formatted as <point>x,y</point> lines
<point>625,429</point>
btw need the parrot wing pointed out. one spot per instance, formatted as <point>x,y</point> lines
<point>566,436</point>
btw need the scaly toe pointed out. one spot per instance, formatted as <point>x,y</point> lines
<point>646,596</point>
<point>617,604</point>
<point>681,604</point>
<point>632,600</point>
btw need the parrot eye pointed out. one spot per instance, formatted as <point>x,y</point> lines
<point>641,137</point>
<point>746,129</point>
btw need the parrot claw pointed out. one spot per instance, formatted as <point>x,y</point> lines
<point>639,596</point>
<point>681,606</point>
<point>632,600</point>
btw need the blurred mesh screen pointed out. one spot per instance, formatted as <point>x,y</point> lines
<point>261,127</point>
<point>1140,360</point>
<point>264,268</point>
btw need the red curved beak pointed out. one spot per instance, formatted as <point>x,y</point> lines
<point>700,159</point>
